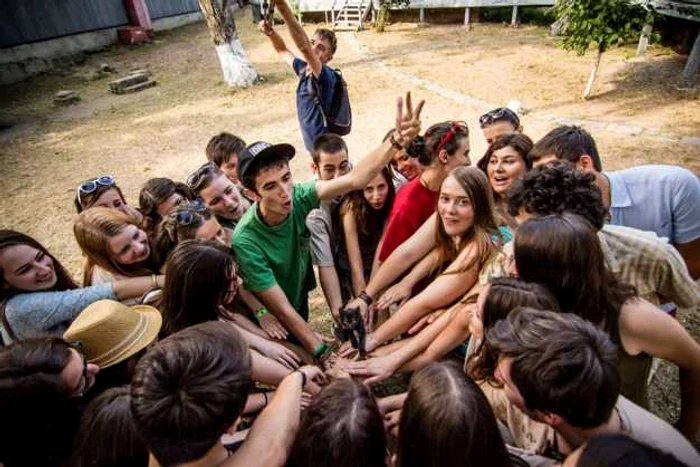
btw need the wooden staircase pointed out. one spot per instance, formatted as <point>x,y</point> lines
<point>350,14</point>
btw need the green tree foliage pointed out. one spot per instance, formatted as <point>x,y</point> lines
<point>606,23</point>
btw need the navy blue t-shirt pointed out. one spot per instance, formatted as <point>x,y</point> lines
<point>310,118</point>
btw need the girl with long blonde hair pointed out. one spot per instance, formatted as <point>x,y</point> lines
<point>114,245</point>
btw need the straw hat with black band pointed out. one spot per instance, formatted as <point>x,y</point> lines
<point>111,332</point>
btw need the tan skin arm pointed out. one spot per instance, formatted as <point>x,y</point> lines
<point>444,290</point>
<point>377,369</point>
<point>456,331</point>
<point>278,304</point>
<point>398,293</point>
<point>407,128</point>
<point>277,42</point>
<point>135,287</point>
<point>352,245</point>
<point>301,40</point>
<point>267,445</point>
<point>406,255</point>
<point>645,328</point>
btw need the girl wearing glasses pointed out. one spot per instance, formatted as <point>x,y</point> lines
<point>37,295</point>
<point>444,147</point>
<point>40,382</point>
<point>104,192</point>
<point>114,245</point>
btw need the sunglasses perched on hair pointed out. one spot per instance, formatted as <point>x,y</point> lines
<point>195,180</point>
<point>84,384</point>
<point>91,186</point>
<point>187,215</point>
<point>503,113</point>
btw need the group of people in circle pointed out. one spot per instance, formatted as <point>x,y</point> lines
<point>528,295</point>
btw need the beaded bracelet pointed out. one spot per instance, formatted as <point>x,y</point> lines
<point>260,313</point>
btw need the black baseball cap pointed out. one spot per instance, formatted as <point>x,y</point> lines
<point>259,151</point>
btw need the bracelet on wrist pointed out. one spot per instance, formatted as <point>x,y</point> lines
<point>365,297</point>
<point>395,144</point>
<point>260,313</point>
<point>303,378</point>
<point>320,350</point>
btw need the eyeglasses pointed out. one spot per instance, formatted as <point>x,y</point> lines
<point>90,186</point>
<point>84,385</point>
<point>502,113</point>
<point>187,215</point>
<point>195,180</point>
<point>455,127</point>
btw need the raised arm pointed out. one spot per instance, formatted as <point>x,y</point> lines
<point>277,42</point>
<point>644,328</point>
<point>301,40</point>
<point>407,128</point>
<point>352,245</point>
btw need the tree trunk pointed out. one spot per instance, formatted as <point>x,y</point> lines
<point>382,16</point>
<point>691,66</point>
<point>237,70</point>
<point>594,72</point>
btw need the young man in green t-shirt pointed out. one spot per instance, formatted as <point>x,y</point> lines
<point>271,241</point>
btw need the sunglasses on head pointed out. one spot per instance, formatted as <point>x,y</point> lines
<point>503,113</point>
<point>195,180</point>
<point>91,186</point>
<point>187,215</point>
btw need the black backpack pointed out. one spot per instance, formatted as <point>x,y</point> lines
<point>339,119</point>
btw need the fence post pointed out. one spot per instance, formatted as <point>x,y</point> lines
<point>466,16</point>
<point>139,15</point>
<point>514,18</point>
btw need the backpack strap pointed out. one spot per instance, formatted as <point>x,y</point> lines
<point>7,329</point>
<point>312,86</point>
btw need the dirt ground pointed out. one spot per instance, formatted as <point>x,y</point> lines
<point>637,114</point>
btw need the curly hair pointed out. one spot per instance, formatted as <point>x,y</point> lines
<point>555,188</point>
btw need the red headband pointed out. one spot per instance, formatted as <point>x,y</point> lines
<point>447,137</point>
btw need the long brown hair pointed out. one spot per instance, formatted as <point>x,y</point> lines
<point>562,252</point>
<point>447,420</point>
<point>484,231</point>
<point>198,278</point>
<point>342,428</point>
<point>369,220</point>
<point>10,238</point>
<point>504,295</point>
<point>92,229</point>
